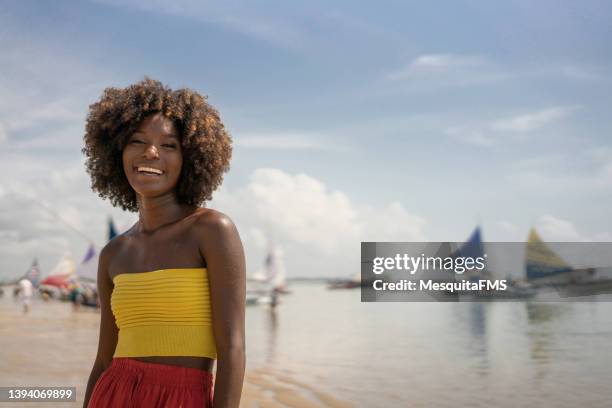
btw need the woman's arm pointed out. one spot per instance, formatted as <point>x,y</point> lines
<point>108,330</point>
<point>221,247</point>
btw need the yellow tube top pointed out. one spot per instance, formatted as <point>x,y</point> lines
<point>166,312</point>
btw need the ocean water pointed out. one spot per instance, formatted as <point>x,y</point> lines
<point>506,354</point>
<point>495,354</point>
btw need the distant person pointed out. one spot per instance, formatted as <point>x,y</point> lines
<point>76,296</point>
<point>274,298</point>
<point>177,277</point>
<point>25,294</point>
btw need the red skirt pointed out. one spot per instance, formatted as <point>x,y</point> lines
<point>131,383</point>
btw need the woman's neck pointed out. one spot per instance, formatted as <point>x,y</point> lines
<point>159,211</point>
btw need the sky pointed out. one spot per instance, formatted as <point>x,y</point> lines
<point>351,122</point>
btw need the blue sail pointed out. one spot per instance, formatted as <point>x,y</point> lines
<point>112,232</point>
<point>473,247</point>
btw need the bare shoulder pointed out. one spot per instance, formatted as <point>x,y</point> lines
<point>216,234</point>
<point>114,246</point>
<point>110,248</point>
<point>214,223</point>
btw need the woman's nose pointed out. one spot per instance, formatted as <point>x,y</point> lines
<point>151,152</point>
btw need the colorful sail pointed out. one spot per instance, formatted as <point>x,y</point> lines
<point>88,268</point>
<point>62,274</point>
<point>541,261</point>
<point>473,247</point>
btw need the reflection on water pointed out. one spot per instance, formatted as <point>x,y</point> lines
<point>271,323</point>
<point>478,331</point>
<point>540,318</point>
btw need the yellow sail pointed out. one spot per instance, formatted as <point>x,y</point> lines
<point>540,260</point>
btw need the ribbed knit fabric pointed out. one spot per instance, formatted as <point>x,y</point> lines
<point>163,313</point>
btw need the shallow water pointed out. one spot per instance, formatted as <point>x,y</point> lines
<point>373,354</point>
<point>504,354</point>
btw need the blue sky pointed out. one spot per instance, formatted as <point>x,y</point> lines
<point>381,121</point>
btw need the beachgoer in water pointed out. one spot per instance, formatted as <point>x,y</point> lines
<point>25,294</point>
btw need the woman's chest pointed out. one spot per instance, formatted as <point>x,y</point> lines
<point>163,251</point>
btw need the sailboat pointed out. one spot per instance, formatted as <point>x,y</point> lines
<point>275,272</point>
<point>88,268</point>
<point>87,271</point>
<point>268,282</point>
<point>545,268</point>
<point>474,248</point>
<point>61,277</point>
<point>33,274</point>
<point>351,282</point>
<point>66,276</point>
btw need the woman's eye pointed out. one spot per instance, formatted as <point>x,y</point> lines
<point>170,145</point>
<point>136,141</point>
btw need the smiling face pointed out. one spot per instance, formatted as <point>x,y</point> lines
<point>152,157</point>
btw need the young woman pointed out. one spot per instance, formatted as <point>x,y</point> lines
<point>172,287</point>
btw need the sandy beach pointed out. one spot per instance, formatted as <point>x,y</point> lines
<point>53,345</point>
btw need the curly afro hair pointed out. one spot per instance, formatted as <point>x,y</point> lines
<point>205,144</point>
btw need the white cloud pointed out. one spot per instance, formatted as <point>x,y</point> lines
<point>556,229</point>
<point>507,226</point>
<point>320,229</point>
<point>437,72</point>
<point>434,64</point>
<point>443,61</point>
<point>533,120</point>
<point>391,223</point>
<point>515,128</point>
<point>42,208</point>
<point>302,207</point>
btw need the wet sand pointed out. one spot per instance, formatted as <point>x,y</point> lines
<point>53,345</point>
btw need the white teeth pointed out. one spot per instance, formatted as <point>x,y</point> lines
<point>149,170</point>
